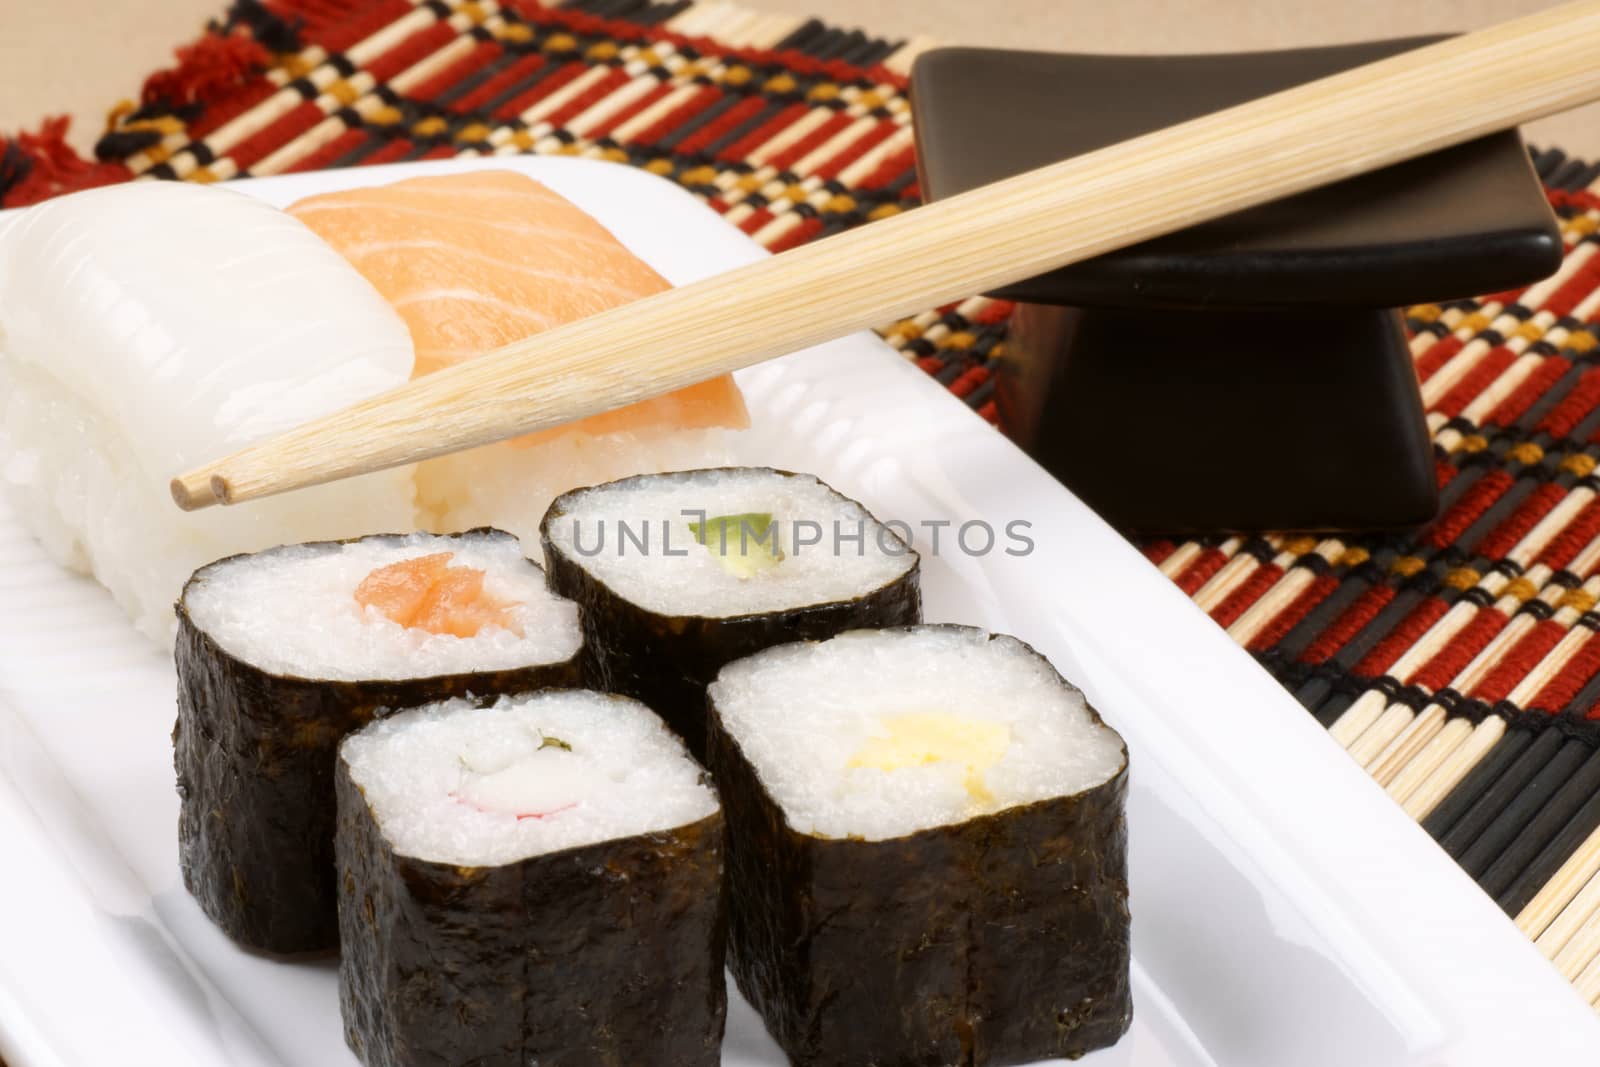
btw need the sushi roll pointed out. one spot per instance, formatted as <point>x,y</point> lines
<point>281,653</point>
<point>927,853</point>
<point>681,573</point>
<point>538,882</point>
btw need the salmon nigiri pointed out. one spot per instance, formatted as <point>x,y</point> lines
<point>476,260</point>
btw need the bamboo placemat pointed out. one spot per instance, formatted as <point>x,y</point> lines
<point>1461,666</point>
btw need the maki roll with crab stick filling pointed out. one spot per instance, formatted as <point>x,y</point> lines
<point>281,653</point>
<point>681,573</point>
<point>536,882</point>
<point>927,852</point>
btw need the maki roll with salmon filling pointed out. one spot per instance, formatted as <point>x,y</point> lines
<point>282,653</point>
<point>538,882</point>
<point>927,855</point>
<point>681,573</point>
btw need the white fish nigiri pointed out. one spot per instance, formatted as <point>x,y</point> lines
<point>149,327</point>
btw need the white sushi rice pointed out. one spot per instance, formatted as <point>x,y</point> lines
<point>801,713</point>
<point>293,611</point>
<point>675,575</point>
<point>447,782</point>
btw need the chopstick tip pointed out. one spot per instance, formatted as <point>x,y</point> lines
<point>193,492</point>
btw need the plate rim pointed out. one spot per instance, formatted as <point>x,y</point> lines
<point>1457,987</point>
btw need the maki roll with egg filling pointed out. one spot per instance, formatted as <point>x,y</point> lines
<point>681,573</point>
<point>537,882</point>
<point>283,652</point>
<point>927,854</point>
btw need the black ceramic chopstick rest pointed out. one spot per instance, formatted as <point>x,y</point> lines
<point>1250,372</point>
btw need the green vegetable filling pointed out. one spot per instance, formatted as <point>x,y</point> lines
<point>746,544</point>
<point>544,743</point>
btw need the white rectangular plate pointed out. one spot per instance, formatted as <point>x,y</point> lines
<point>1286,913</point>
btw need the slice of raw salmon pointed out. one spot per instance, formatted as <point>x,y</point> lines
<point>399,589</point>
<point>475,261</point>
<point>426,593</point>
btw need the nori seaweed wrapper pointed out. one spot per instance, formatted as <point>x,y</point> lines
<point>255,752</point>
<point>666,661</point>
<point>604,955</point>
<point>1003,939</point>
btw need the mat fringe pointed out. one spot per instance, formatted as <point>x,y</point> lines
<point>38,166</point>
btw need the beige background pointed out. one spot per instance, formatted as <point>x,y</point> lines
<point>82,56</point>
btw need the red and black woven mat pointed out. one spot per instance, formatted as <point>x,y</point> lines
<point>1460,665</point>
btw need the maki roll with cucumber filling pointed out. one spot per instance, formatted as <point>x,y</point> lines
<point>927,853</point>
<point>537,882</point>
<point>283,652</point>
<point>681,573</point>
